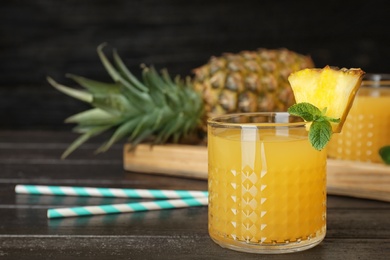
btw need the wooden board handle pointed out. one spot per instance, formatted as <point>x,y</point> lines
<point>356,179</point>
<point>178,160</point>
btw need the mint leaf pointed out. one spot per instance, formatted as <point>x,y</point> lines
<point>384,152</point>
<point>305,110</point>
<point>320,133</point>
<point>333,120</point>
<point>320,130</point>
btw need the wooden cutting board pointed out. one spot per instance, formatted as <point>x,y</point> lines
<point>355,179</point>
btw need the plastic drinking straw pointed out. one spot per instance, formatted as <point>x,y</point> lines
<point>123,208</point>
<point>108,192</point>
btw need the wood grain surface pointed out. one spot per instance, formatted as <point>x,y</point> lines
<point>356,228</point>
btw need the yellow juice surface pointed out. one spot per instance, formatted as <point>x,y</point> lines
<point>267,191</point>
<point>366,129</point>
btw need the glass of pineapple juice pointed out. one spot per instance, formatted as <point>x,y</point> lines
<point>267,184</point>
<point>367,127</point>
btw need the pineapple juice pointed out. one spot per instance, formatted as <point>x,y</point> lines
<point>366,129</point>
<point>267,189</point>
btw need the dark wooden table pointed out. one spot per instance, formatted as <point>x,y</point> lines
<point>357,228</point>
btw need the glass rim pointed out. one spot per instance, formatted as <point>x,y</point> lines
<point>371,83</point>
<point>221,120</point>
<point>376,79</point>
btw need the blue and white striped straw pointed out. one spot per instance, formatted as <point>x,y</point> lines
<point>123,208</point>
<point>108,192</point>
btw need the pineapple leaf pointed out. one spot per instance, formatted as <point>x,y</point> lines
<point>187,127</point>
<point>155,85</point>
<point>141,137</point>
<point>155,80</point>
<point>107,64</point>
<point>77,94</point>
<point>173,94</point>
<point>83,138</point>
<point>96,86</point>
<point>82,129</point>
<point>167,78</point>
<point>125,71</point>
<point>119,133</point>
<point>139,105</point>
<point>169,129</point>
<point>95,116</point>
<point>79,141</point>
<point>117,77</point>
<point>114,104</point>
<point>136,132</point>
<point>143,125</point>
<point>164,115</point>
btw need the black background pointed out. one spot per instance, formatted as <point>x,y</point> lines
<point>51,38</point>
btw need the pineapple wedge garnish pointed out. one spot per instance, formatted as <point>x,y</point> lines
<point>329,88</point>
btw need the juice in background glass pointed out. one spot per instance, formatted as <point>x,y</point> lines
<point>367,127</point>
<point>267,184</point>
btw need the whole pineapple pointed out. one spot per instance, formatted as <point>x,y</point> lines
<point>162,109</point>
<point>249,81</point>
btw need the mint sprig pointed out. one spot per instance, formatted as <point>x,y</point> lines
<point>384,152</point>
<point>320,130</point>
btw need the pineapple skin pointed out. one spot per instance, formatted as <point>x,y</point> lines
<point>249,81</point>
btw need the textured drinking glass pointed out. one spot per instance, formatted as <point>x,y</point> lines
<point>367,127</point>
<point>267,184</point>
